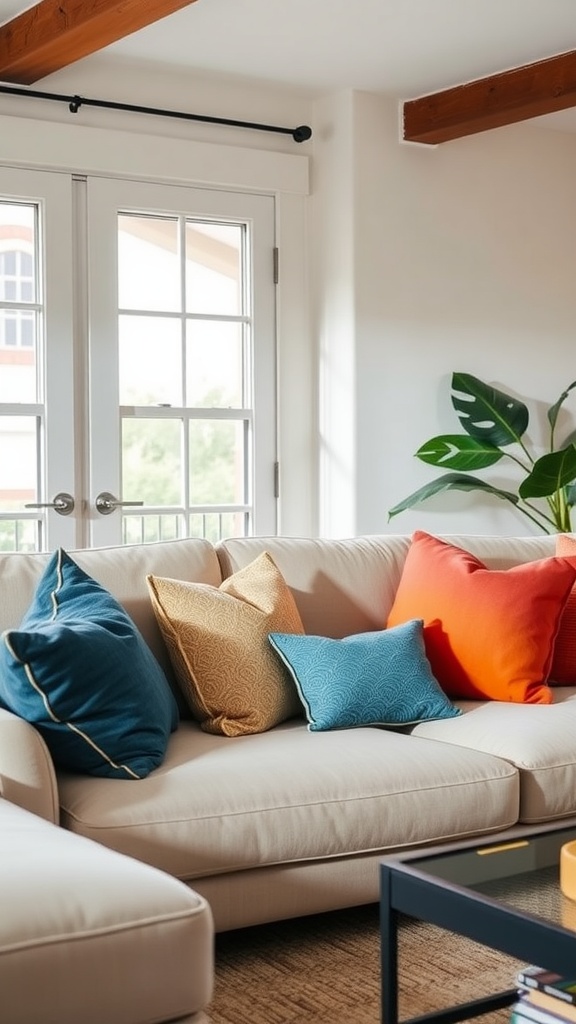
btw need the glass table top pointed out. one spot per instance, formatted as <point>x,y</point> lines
<point>522,873</point>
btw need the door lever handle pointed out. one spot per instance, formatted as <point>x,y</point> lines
<point>106,503</point>
<point>63,504</point>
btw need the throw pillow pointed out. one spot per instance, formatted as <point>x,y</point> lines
<point>489,634</point>
<point>78,669</point>
<point>563,671</point>
<point>380,678</point>
<point>217,638</point>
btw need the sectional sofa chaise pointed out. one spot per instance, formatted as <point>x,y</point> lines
<point>267,801</point>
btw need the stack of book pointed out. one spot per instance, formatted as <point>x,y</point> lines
<point>544,998</point>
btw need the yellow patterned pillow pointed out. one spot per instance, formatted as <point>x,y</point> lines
<point>217,638</point>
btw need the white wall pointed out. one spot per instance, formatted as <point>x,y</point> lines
<point>464,258</point>
<point>411,261</point>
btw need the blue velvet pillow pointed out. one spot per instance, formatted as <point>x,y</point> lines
<point>379,678</point>
<point>79,670</point>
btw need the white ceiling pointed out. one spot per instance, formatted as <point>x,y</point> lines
<point>404,48</point>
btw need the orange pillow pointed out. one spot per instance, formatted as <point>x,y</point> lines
<point>489,634</point>
<point>563,671</point>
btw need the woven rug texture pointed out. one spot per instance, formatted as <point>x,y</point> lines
<point>325,969</point>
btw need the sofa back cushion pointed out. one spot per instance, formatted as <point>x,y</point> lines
<point>122,570</point>
<point>348,586</point>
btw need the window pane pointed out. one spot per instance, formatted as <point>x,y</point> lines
<point>19,462</point>
<point>152,461</point>
<point>150,361</point>
<point>18,237</point>
<point>215,526</point>
<point>18,379</point>
<point>19,535</point>
<point>214,268</point>
<point>147,528</point>
<point>148,263</point>
<point>214,365</point>
<point>216,462</point>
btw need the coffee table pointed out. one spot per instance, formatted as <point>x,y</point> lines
<point>503,893</point>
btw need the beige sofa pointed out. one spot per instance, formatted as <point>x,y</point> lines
<point>290,822</point>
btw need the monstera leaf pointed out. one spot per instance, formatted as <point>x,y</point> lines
<point>550,474</point>
<point>493,423</point>
<point>488,414</point>
<point>456,451</point>
<point>451,482</point>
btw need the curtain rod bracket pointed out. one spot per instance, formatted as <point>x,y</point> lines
<point>300,134</point>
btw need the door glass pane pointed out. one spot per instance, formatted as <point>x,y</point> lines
<point>18,483</point>
<point>214,364</point>
<point>148,263</point>
<point>215,526</point>
<point>152,461</point>
<point>214,268</point>
<point>217,469</point>
<point>148,527</point>
<point>19,462</point>
<point>150,360</point>
<point>19,535</point>
<point>18,347</point>
<point>18,302</point>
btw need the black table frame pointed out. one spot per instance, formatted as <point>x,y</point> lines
<point>408,890</point>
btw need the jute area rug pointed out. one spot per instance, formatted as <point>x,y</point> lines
<point>325,970</point>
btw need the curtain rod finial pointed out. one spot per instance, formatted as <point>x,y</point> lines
<point>302,133</point>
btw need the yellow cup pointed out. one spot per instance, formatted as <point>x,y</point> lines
<point>568,870</point>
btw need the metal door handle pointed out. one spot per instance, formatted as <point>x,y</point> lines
<point>63,504</point>
<point>106,503</point>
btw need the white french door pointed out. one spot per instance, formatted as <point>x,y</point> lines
<point>149,399</point>
<point>181,360</point>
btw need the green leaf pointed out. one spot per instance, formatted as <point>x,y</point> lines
<point>450,482</point>
<point>486,413</point>
<point>550,474</point>
<point>555,409</point>
<point>458,451</point>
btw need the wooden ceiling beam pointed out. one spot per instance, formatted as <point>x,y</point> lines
<point>56,33</point>
<point>543,87</point>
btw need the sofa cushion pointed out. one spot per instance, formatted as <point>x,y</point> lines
<point>78,669</point>
<point>218,643</point>
<point>86,934</point>
<point>488,633</point>
<point>563,671</point>
<point>379,678</point>
<point>539,740</point>
<point>288,795</point>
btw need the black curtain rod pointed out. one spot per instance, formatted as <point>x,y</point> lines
<point>300,134</point>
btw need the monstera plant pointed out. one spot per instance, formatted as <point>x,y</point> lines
<point>495,426</point>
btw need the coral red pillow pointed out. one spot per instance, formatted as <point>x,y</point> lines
<point>563,671</point>
<point>489,634</point>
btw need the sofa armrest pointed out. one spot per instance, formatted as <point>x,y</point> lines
<point>27,775</point>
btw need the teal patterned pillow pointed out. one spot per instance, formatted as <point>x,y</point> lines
<point>379,678</point>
